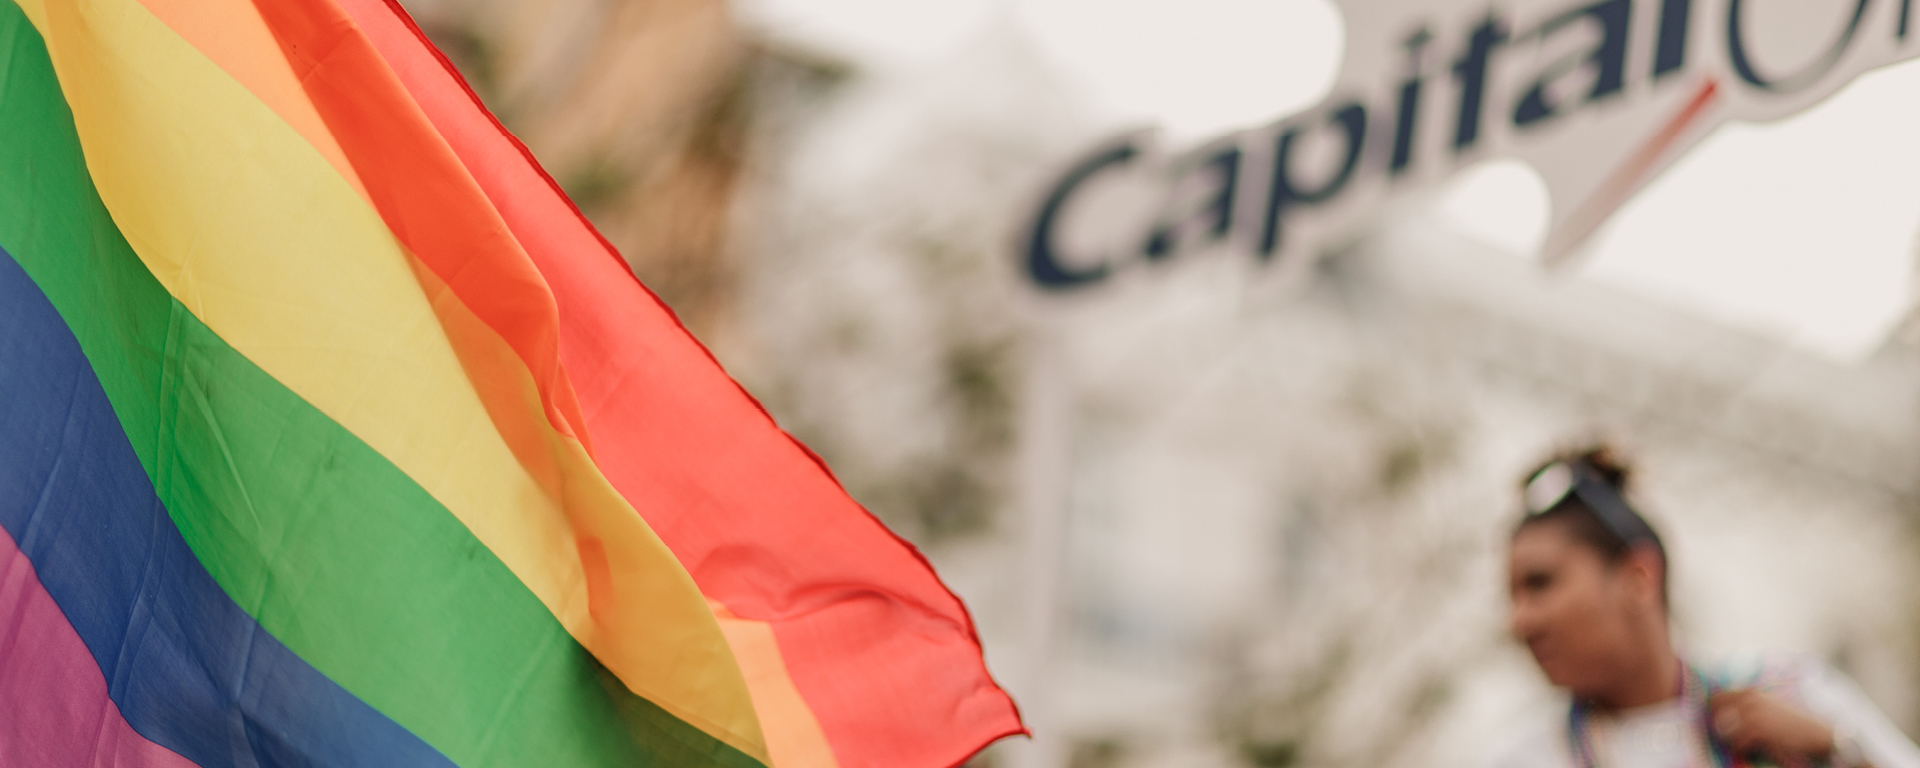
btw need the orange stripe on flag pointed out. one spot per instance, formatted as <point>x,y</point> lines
<point>794,738</point>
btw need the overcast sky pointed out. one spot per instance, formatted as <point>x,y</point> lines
<point>1804,229</point>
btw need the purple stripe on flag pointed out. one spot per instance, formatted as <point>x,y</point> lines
<point>54,708</point>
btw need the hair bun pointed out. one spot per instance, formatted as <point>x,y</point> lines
<point>1607,461</point>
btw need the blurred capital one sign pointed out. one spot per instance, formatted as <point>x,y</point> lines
<point>1598,97</point>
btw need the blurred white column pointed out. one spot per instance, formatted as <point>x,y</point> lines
<point>1046,448</point>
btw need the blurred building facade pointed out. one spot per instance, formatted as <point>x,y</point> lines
<point>1285,502</point>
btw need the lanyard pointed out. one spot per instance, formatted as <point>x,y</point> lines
<point>1695,690</point>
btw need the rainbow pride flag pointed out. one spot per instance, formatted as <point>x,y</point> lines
<point>331,434</point>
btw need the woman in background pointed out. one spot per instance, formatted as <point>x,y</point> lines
<point>1588,579</point>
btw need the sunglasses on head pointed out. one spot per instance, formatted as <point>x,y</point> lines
<point>1561,480</point>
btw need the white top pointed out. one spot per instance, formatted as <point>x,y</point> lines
<point>1663,736</point>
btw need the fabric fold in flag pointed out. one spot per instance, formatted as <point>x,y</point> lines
<point>403,450</point>
<point>872,641</point>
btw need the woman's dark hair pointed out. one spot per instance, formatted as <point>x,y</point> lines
<point>1611,533</point>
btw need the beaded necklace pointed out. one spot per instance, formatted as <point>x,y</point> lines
<point>1695,690</point>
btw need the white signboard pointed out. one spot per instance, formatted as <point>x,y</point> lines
<point>1598,97</point>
